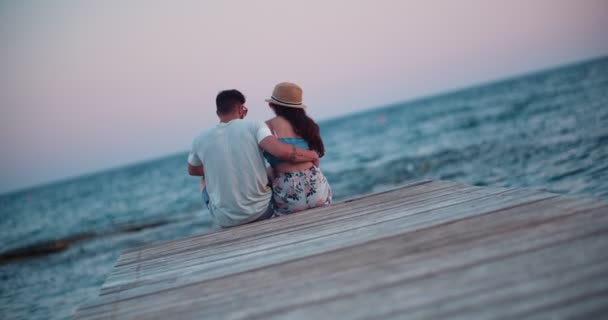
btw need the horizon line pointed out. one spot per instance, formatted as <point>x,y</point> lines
<point>413,100</point>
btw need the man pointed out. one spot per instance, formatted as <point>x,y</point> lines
<point>229,157</point>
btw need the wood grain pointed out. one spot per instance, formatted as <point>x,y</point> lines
<point>432,249</point>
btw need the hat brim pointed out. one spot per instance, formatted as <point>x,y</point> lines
<point>278,103</point>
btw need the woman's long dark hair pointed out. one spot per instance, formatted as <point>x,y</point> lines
<point>303,126</point>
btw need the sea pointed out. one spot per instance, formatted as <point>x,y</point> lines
<point>547,130</point>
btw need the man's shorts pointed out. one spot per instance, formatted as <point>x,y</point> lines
<point>266,215</point>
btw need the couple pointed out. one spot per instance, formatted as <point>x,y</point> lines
<point>238,188</point>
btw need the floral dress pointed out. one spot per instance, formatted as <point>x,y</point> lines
<point>298,191</point>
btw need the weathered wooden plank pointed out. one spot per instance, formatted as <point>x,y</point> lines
<point>306,220</point>
<point>477,291</point>
<point>234,290</point>
<point>230,248</point>
<point>556,229</point>
<point>295,225</point>
<point>268,255</point>
<point>336,210</point>
<point>287,225</point>
<point>184,310</point>
<point>511,287</point>
<point>267,252</point>
<point>589,306</point>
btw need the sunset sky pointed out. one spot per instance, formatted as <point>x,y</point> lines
<point>91,85</point>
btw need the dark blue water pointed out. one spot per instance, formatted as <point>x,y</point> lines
<point>544,131</point>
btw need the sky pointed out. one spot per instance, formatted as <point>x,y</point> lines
<point>88,85</point>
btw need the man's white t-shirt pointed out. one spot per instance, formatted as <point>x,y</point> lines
<point>235,173</point>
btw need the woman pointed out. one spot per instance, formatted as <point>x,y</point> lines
<point>295,186</point>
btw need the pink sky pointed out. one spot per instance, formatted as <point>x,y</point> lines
<point>89,85</point>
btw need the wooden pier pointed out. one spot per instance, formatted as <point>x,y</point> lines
<point>429,250</point>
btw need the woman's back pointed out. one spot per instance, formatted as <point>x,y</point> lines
<point>283,129</point>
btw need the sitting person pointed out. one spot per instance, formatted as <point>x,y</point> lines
<point>229,157</point>
<point>296,186</point>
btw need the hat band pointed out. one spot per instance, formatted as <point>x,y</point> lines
<point>286,102</point>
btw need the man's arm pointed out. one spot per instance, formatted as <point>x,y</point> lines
<point>288,152</point>
<point>198,171</point>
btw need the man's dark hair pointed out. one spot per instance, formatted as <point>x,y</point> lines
<point>227,100</point>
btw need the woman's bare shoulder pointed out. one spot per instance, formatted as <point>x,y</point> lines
<point>282,127</point>
<point>272,120</point>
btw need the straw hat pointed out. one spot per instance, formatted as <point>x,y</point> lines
<point>287,94</point>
